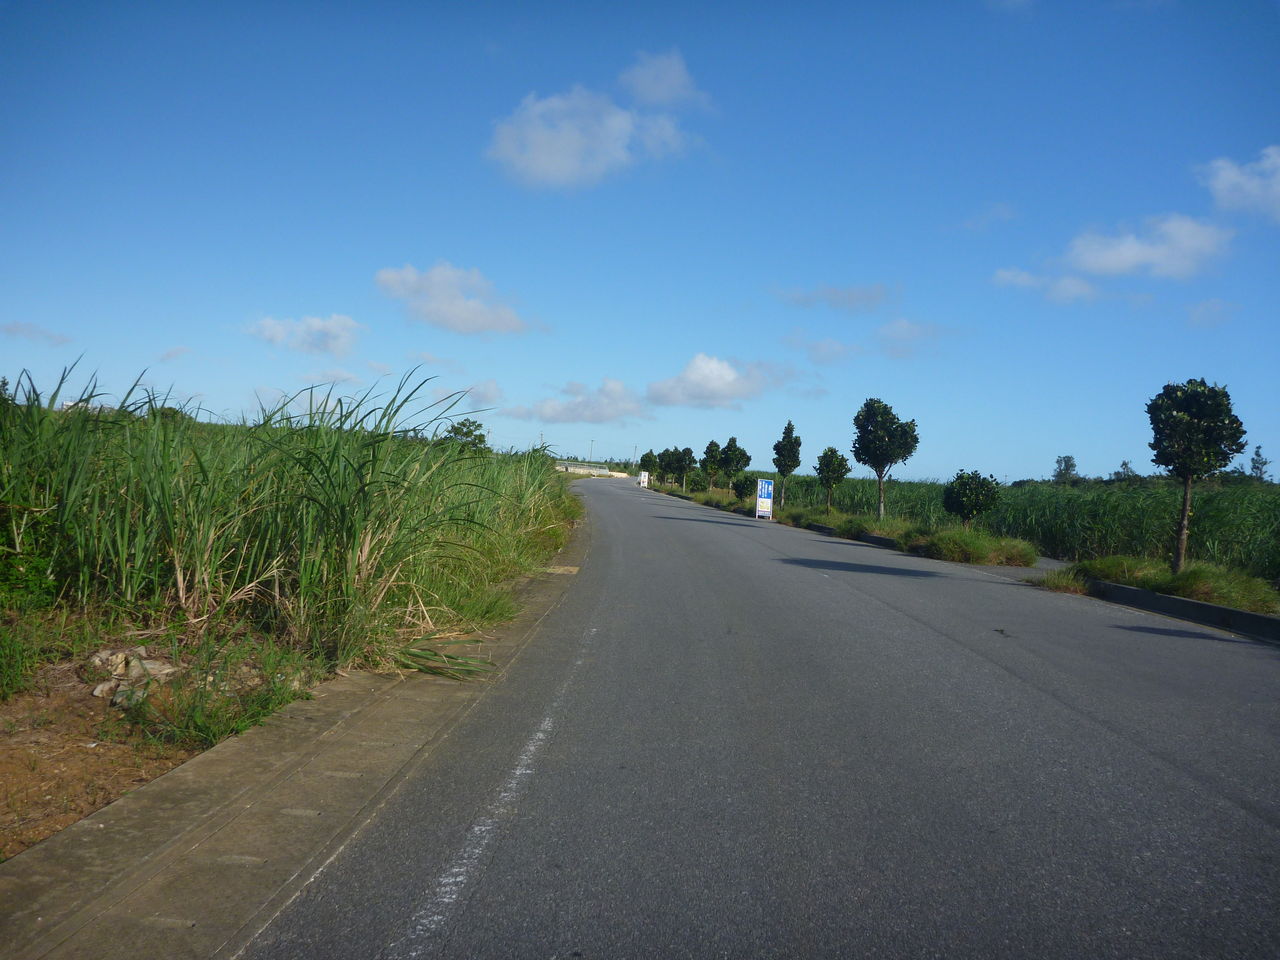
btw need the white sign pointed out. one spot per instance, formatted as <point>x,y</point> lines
<point>764,499</point>
<point>644,478</point>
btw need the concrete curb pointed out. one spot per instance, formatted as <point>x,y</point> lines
<point>196,862</point>
<point>1257,626</point>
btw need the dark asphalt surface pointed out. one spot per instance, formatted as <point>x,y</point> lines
<point>734,739</point>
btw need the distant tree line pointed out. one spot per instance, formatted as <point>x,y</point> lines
<point>1195,435</point>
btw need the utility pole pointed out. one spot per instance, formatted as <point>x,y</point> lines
<point>591,452</point>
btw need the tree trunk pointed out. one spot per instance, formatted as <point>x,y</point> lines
<point>880,494</point>
<point>1184,524</point>
<point>782,492</point>
<point>829,491</point>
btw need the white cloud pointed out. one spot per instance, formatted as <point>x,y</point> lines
<point>661,78</point>
<point>1250,186</point>
<point>335,334</point>
<point>29,331</point>
<point>708,381</point>
<point>174,353</point>
<point>1210,313</point>
<point>901,338</point>
<point>611,401</point>
<point>850,299</point>
<point>1065,289</point>
<point>450,297</point>
<point>580,137</point>
<point>1174,246</point>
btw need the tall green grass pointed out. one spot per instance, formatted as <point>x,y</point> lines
<point>337,527</point>
<point>1234,525</point>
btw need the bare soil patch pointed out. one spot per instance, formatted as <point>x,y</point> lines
<point>64,754</point>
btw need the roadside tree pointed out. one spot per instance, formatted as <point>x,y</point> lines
<point>832,467</point>
<point>649,463</point>
<point>1064,470</point>
<point>733,459</point>
<point>1258,465</point>
<point>786,458</point>
<point>711,462</point>
<point>882,441</point>
<point>1195,434</point>
<point>743,486</point>
<point>686,463</point>
<point>468,434</point>
<point>970,494</point>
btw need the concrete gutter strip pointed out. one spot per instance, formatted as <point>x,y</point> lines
<point>194,863</point>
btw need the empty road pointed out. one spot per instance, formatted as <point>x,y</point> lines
<point>735,739</point>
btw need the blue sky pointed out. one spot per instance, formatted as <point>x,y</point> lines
<point>632,228</point>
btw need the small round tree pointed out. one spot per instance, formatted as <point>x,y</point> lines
<point>831,468</point>
<point>970,494</point>
<point>743,486</point>
<point>1196,434</point>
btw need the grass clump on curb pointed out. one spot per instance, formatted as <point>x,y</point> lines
<point>968,546</point>
<point>1205,582</point>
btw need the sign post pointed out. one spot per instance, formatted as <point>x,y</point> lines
<point>644,478</point>
<point>764,499</point>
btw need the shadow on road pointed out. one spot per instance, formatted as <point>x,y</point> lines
<point>846,567</point>
<point>1193,634</point>
<point>727,523</point>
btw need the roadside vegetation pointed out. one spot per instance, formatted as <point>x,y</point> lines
<point>1231,552</point>
<point>255,557</point>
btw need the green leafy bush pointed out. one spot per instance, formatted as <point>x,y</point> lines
<point>970,494</point>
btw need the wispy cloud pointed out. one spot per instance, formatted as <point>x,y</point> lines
<point>453,298</point>
<point>1174,245</point>
<point>335,376</point>
<point>334,335</point>
<point>484,394</point>
<point>824,351</point>
<point>708,381</point>
<point>610,402</point>
<point>1063,289</point>
<point>29,331</point>
<point>1210,313</point>
<point>855,299</point>
<point>996,213</point>
<point>1253,187</point>
<point>902,338</point>
<point>173,353</point>
<point>661,79</point>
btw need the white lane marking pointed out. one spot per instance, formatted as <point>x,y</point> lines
<point>429,921</point>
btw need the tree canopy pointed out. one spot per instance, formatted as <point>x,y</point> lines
<point>882,440</point>
<point>1195,433</point>
<point>831,468</point>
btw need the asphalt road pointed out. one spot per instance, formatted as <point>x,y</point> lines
<point>734,739</point>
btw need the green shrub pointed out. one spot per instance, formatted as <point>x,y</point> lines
<point>971,546</point>
<point>970,494</point>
